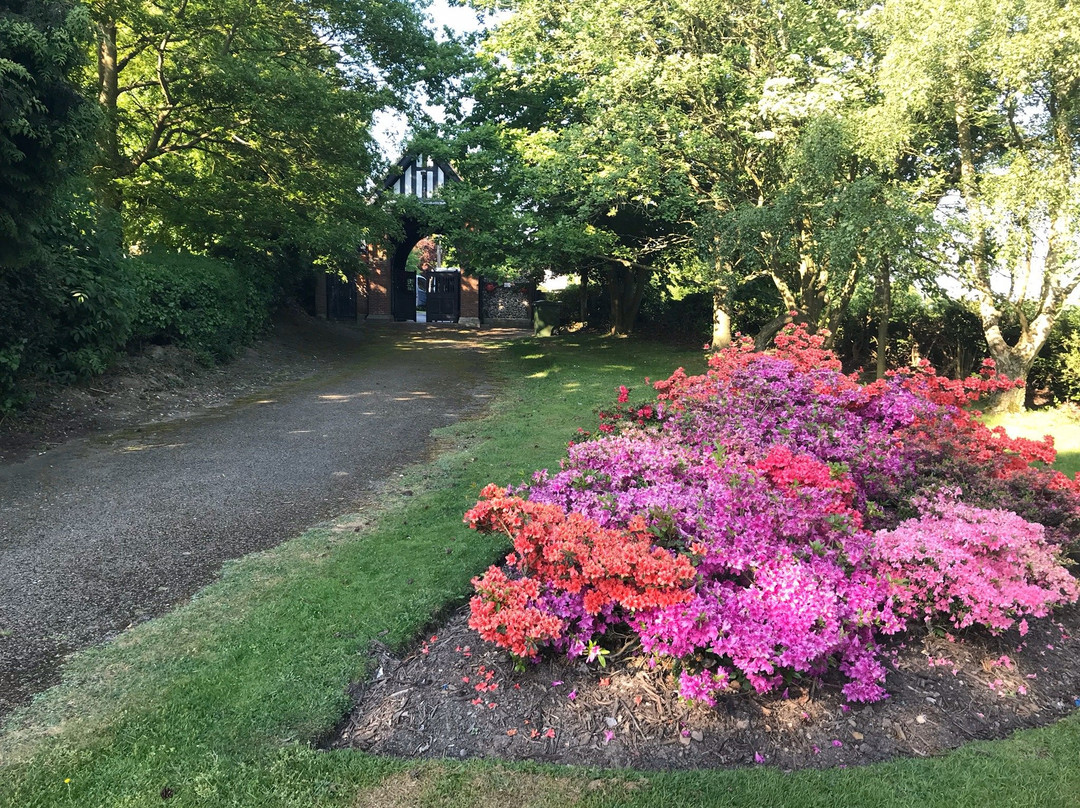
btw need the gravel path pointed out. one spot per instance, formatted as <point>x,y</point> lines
<point>100,533</point>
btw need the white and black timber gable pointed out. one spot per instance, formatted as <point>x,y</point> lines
<point>420,176</point>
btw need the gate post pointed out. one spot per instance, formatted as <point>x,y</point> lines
<point>470,300</point>
<point>378,286</point>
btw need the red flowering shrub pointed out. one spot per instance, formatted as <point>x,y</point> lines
<point>566,554</point>
<point>773,516</point>
<point>797,472</point>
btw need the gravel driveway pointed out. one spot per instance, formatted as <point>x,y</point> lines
<point>106,531</point>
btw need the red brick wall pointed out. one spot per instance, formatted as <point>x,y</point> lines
<point>470,297</point>
<point>378,285</point>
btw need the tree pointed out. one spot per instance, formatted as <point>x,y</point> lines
<point>522,210</point>
<point>244,124</point>
<point>734,125</point>
<point>44,120</point>
<point>986,98</point>
<point>62,290</point>
<point>582,186</point>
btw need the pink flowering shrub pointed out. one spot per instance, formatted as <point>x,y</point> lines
<point>773,517</point>
<point>972,564</point>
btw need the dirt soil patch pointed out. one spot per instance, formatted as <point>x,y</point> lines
<point>163,383</point>
<point>456,696</point>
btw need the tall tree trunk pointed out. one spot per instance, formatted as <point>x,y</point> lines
<point>108,97</point>
<point>722,315</point>
<point>814,302</point>
<point>764,336</point>
<point>1015,368</point>
<point>884,315</point>
<point>583,301</point>
<point>639,281</point>
<point>1011,361</point>
<point>836,305</point>
<point>791,312</point>
<point>627,288</point>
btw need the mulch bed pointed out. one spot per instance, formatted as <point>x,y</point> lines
<point>456,696</point>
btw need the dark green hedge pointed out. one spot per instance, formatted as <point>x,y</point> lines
<point>210,306</point>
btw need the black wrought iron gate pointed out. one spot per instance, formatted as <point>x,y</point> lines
<point>444,297</point>
<point>403,296</point>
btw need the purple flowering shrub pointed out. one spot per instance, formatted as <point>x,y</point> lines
<point>819,516</point>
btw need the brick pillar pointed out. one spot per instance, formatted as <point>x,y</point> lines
<point>361,296</point>
<point>378,286</point>
<point>470,300</point>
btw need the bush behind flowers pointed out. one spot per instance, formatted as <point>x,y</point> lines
<point>772,516</point>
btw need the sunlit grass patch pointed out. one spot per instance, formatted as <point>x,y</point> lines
<point>1062,424</point>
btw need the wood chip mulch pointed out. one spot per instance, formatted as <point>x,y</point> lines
<point>456,696</point>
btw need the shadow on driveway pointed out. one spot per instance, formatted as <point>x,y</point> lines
<point>109,530</point>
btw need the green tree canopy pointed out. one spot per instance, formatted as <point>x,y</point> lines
<point>245,124</point>
<point>45,121</point>
<point>984,99</point>
<point>733,129</point>
<point>63,300</point>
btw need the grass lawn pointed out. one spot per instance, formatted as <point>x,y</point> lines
<point>222,702</point>
<point>1035,424</point>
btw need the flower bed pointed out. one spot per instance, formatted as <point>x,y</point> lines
<point>772,518</point>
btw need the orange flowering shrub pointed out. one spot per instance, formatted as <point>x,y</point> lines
<point>502,613</point>
<point>560,554</point>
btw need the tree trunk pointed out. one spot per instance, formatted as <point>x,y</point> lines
<point>627,288</point>
<point>721,325</point>
<point>1013,366</point>
<point>792,310</point>
<point>1012,361</point>
<point>770,330</point>
<point>1060,279</point>
<point>108,97</point>
<point>816,305</point>
<point>884,315</point>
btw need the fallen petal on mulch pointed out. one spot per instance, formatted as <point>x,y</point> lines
<point>629,714</point>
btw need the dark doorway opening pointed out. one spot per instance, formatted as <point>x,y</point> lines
<point>340,298</point>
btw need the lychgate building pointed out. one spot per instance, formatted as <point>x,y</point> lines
<point>389,290</point>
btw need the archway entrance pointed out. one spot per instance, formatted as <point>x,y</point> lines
<point>387,290</point>
<point>419,178</point>
<point>402,280</point>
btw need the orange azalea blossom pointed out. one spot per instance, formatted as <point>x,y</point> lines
<point>566,553</point>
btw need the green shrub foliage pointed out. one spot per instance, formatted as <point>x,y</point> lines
<point>1055,376</point>
<point>64,299</point>
<point>210,306</point>
<point>65,315</point>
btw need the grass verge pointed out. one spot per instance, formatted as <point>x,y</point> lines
<point>222,702</point>
<point>1060,423</point>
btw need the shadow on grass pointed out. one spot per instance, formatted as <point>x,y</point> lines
<point>1068,463</point>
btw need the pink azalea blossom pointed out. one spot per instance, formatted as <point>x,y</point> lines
<point>758,521</point>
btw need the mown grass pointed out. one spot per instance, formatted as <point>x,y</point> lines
<point>223,702</point>
<point>1062,424</point>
